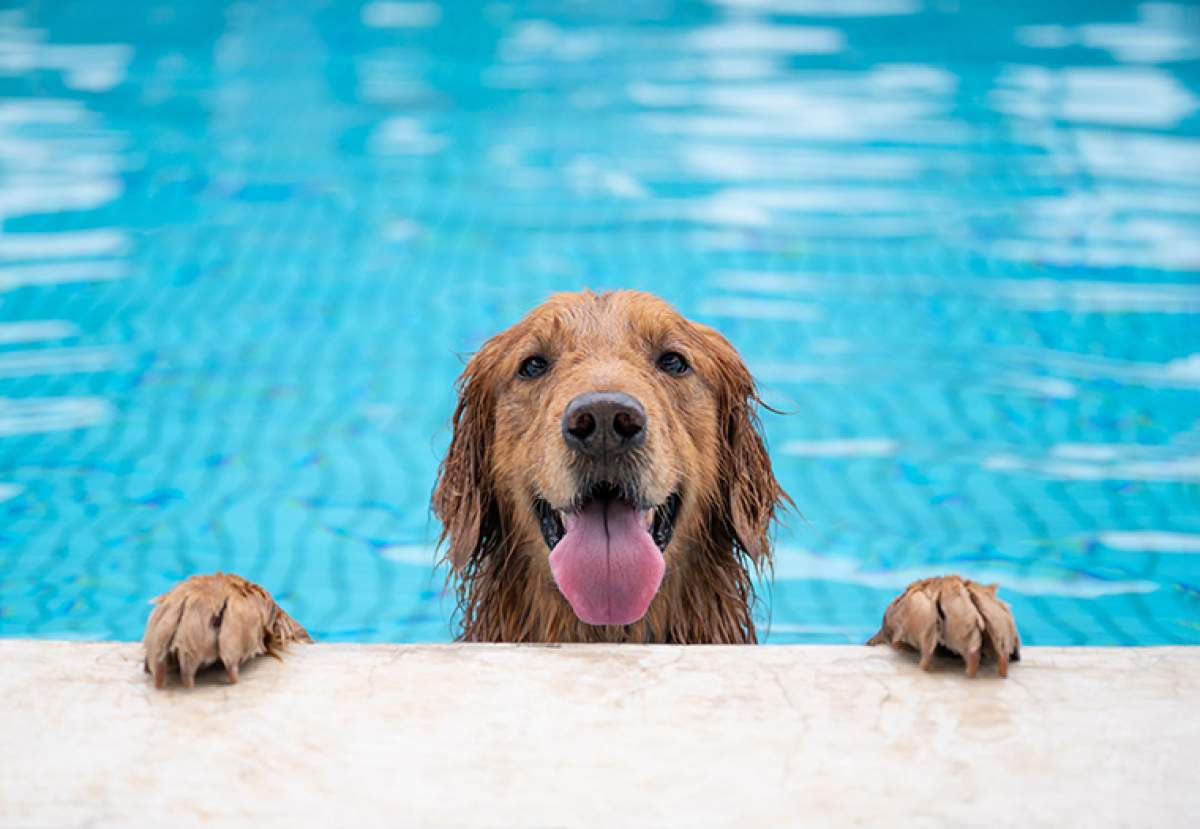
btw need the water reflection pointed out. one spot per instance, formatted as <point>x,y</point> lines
<point>1140,96</point>
<point>32,415</point>
<point>243,244</point>
<point>1162,33</point>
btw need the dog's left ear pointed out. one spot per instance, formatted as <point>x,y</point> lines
<point>755,496</point>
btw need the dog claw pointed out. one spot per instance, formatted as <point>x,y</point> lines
<point>926,662</point>
<point>972,660</point>
<point>218,618</point>
<point>960,615</point>
<point>188,665</point>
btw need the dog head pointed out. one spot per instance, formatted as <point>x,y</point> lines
<point>611,437</point>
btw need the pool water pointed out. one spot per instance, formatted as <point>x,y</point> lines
<point>246,245</point>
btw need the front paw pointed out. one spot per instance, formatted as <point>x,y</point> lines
<point>207,619</point>
<point>960,615</point>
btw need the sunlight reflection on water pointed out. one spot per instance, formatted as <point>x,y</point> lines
<point>242,246</point>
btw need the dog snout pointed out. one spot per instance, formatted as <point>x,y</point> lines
<point>604,424</point>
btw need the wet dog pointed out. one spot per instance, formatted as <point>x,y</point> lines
<point>606,481</point>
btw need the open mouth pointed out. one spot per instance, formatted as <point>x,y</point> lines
<point>606,552</point>
<point>660,519</point>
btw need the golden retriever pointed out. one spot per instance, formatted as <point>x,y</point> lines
<point>606,481</point>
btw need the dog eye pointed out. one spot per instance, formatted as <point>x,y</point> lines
<point>673,363</point>
<point>533,367</point>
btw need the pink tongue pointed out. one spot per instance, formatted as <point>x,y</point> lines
<point>607,565</point>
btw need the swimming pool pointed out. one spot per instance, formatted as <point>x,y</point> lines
<point>245,245</point>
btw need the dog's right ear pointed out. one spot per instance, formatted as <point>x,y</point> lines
<point>465,496</point>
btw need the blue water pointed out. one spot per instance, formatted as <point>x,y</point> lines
<point>246,245</point>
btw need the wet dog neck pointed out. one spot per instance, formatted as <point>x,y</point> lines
<point>513,598</point>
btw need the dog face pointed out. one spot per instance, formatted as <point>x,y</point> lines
<point>608,436</point>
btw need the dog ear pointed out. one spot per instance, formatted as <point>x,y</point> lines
<point>464,498</point>
<point>754,495</point>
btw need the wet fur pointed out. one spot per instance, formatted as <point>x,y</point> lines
<point>507,447</point>
<point>702,442</point>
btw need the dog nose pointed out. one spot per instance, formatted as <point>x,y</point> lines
<point>604,423</point>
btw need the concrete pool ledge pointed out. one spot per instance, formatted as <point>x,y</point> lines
<point>498,735</point>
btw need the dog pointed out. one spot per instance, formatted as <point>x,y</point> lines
<point>606,481</point>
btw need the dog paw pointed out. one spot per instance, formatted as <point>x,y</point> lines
<point>954,613</point>
<point>219,618</point>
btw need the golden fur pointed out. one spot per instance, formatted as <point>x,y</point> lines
<point>703,437</point>
<point>701,443</point>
